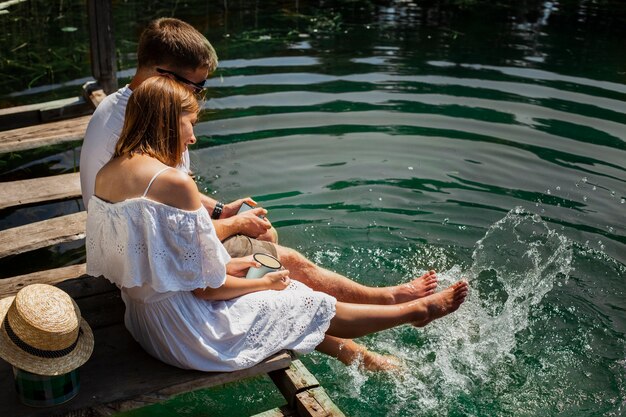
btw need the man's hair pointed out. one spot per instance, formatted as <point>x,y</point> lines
<point>152,120</point>
<point>172,42</point>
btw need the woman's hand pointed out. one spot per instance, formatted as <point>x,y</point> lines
<point>277,280</point>
<point>238,267</point>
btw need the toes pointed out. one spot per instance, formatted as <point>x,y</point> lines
<point>460,284</point>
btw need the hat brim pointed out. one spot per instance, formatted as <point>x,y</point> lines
<point>44,366</point>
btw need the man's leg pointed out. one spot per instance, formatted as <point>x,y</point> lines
<point>346,290</point>
<point>321,279</point>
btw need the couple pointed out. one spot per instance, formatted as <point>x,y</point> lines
<point>149,230</point>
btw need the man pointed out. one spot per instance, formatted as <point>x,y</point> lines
<point>172,48</point>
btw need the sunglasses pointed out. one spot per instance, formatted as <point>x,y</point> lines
<point>197,87</point>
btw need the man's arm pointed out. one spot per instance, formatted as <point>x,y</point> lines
<point>230,223</point>
<point>207,202</point>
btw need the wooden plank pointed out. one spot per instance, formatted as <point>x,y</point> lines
<point>43,135</point>
<point>10,286</point>
<point>293,380</point>
<point>283,411</point>
<point>41,234</point>
<point>86,286</point>
<point>278,361</point>
<point>37,106</point>
<point>103,310</point>
<point>121,376</point>
<point>315,402</point>
<point>36,190</point>
<point>32,114</point>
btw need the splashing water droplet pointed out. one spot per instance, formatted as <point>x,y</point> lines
<point>474,346</point>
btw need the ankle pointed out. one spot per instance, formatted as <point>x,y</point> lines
<point>388,296</point>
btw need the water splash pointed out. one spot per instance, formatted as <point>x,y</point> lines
<point>514,266</point>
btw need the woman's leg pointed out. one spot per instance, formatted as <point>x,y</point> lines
<point>348,352</point>
<point>356,320</point>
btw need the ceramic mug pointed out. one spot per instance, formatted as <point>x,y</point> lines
<point>268,264</point>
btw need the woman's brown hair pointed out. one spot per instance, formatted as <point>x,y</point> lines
<point>152,121</point>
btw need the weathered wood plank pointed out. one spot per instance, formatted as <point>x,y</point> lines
<point>103,310</point>
<point>120,371</point>
<point>36,190</point>
<point>10,286</point>
<point>42,234</point>
<point>277,412</point>
<point>31,114</point>
<point>279,361</point>
<point>86,286</point>
<point>12,111</point>
<point>315,402</point>
<point>293,380</point>
<point>43,135</point>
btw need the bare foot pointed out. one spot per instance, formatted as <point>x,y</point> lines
<point>441,304</point>
<point>420,287</point>
<point>373,361</point>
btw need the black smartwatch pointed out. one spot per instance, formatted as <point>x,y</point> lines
<point>217,211</point>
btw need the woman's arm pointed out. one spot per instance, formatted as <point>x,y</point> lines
<point>236,287</point>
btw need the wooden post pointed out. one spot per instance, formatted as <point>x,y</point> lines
<point>293,380</point>
<point>102,44</point>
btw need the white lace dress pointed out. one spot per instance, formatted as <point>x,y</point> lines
<point>158,254</point>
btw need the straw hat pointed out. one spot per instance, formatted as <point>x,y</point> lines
<point>42,332</point>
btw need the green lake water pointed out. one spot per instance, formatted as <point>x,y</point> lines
<point>387,138</point>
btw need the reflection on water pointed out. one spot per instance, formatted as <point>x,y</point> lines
<point>395,137</point>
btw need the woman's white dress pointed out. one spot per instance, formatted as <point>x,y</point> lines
<point>157,254</point>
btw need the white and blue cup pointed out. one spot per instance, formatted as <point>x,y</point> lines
<point>268,264</point>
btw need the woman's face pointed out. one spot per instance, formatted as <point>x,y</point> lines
<point>187,121</point>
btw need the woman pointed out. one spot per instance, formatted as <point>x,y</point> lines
<point>185,301</point>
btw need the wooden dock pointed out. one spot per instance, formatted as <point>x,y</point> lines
<point>119,376</point>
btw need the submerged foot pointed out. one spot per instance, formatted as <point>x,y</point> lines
<point>373,361</point>
<point>442,303</point>
<point>420,287</point>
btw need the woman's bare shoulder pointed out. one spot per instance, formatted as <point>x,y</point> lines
<point>176,188</point>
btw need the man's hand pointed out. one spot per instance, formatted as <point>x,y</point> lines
<point>252,223</point>
<point>231,209</point>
